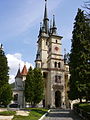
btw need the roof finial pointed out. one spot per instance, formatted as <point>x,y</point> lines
<point>1,46</point>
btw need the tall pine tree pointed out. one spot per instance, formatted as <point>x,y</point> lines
<point>80,58</point>
<point>34,86</point>
<point>29,86</point>
<point>38,86</point>
<point>4,77</point>
<point>5,89</point>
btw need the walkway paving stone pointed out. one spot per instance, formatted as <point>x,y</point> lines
<point>59,114</point>
<point>22,113</point>
<point>6,117</point>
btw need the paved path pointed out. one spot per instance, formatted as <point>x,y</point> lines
<point>22,113</point>
<point>6,117</point>
<point>61,115</point>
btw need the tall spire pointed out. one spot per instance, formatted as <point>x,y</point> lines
<point>45,13</point>
<point>46,18</point>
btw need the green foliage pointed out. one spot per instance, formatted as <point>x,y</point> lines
<point>29,86</point>
<point>38,86</point>
<point>3,68</point>
<point>80,58</point>
<point>6,94</point>
<point>5,89</point>
<point>34,86</point>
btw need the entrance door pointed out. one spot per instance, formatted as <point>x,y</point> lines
<point>57,99</point>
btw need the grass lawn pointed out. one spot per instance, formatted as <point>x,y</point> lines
<point>34,114</point>
<point>7,113</point>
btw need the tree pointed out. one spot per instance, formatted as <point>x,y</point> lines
<point>5,90</point>
<point>4,77</point>
<point>38,86</point>
<point>80,58</point>
<point>6,94</point>
<point>34,86</point>
<point>29,86</point>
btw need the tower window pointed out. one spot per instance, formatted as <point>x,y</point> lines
<point>56,41</point>
<point>55,64</point>
<point>57,79</point>
<point>59,65</point>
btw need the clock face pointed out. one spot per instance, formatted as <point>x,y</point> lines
<point>56,48</point>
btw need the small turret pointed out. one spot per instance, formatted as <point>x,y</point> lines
<point>24,71</point>
<point>54,28</point>
<point>43,28</point>
<point>38,56</point>
<point>1,46</point>
<point>18,74</point>
<point>50,27</point>
<point>40,31</point>
<point>66,57</point>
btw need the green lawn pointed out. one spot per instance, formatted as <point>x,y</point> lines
<point>7,113</point>
<point>34,114</point>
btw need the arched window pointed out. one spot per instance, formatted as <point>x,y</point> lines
<point>59,65</point>
<point>55,64</point>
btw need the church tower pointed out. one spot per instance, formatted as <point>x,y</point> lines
<point>50,59</point>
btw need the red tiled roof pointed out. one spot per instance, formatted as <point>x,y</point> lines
<point>24,70</point>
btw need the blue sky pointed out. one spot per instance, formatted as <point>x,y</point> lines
<point>20,21</point>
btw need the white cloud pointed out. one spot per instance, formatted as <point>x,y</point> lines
<point>13,62</point>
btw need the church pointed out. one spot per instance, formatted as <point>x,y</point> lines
<point>54,67</point>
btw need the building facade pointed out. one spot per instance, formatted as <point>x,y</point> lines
<point>18,90</point>
<point>53,65</point>
<point>54,68</point>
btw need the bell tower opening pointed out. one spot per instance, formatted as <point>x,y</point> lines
<point>58,99</point>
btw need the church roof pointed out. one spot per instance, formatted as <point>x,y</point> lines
<point>24,71</point>
<point>18,74</point>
